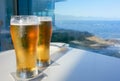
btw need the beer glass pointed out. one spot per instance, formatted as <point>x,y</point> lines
<point>43,48</point>
<point>24,32</point>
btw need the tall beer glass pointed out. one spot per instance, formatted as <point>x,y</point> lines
<point>24,32</point>
<point>45,33</point>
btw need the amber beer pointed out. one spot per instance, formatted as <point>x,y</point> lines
<point>45,33</point>
<point>25,37</point>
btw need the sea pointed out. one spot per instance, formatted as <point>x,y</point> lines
<point>106,29</point>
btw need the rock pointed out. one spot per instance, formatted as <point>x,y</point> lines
<point>82,39</point>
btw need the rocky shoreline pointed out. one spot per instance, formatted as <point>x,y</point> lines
<point>84,39</point>
<point>87,41</point>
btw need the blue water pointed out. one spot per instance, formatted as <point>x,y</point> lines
<point>104,29</point>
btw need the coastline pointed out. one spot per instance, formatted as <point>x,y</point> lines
<point>87,41</point>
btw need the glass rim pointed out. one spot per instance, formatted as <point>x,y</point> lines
<point>23,16</point>
<point>44,18</point>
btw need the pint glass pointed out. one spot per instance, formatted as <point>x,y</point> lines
<point>45,33</point>
<point>24,32</point>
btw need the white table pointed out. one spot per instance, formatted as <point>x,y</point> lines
<point>73,65</point>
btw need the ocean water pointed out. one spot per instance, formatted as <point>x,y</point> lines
<point>103,29</point>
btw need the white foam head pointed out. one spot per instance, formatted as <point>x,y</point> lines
<point>24,20</point>
<point>44,18</point>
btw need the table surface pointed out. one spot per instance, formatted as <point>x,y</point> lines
<point>70,64</point>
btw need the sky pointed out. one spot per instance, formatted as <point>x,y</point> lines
<point>89,8</point>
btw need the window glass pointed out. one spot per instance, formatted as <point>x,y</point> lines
<point>6,10</point>
<point>92,25</point>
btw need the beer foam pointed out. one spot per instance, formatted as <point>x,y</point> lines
<point>45,18</point>
<point>24,20</point>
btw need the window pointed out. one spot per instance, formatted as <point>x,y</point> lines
<point>91,25</point>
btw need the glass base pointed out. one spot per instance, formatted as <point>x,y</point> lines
<point>25,74</point>
<point>39,77</point>
<point>42,65</point>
